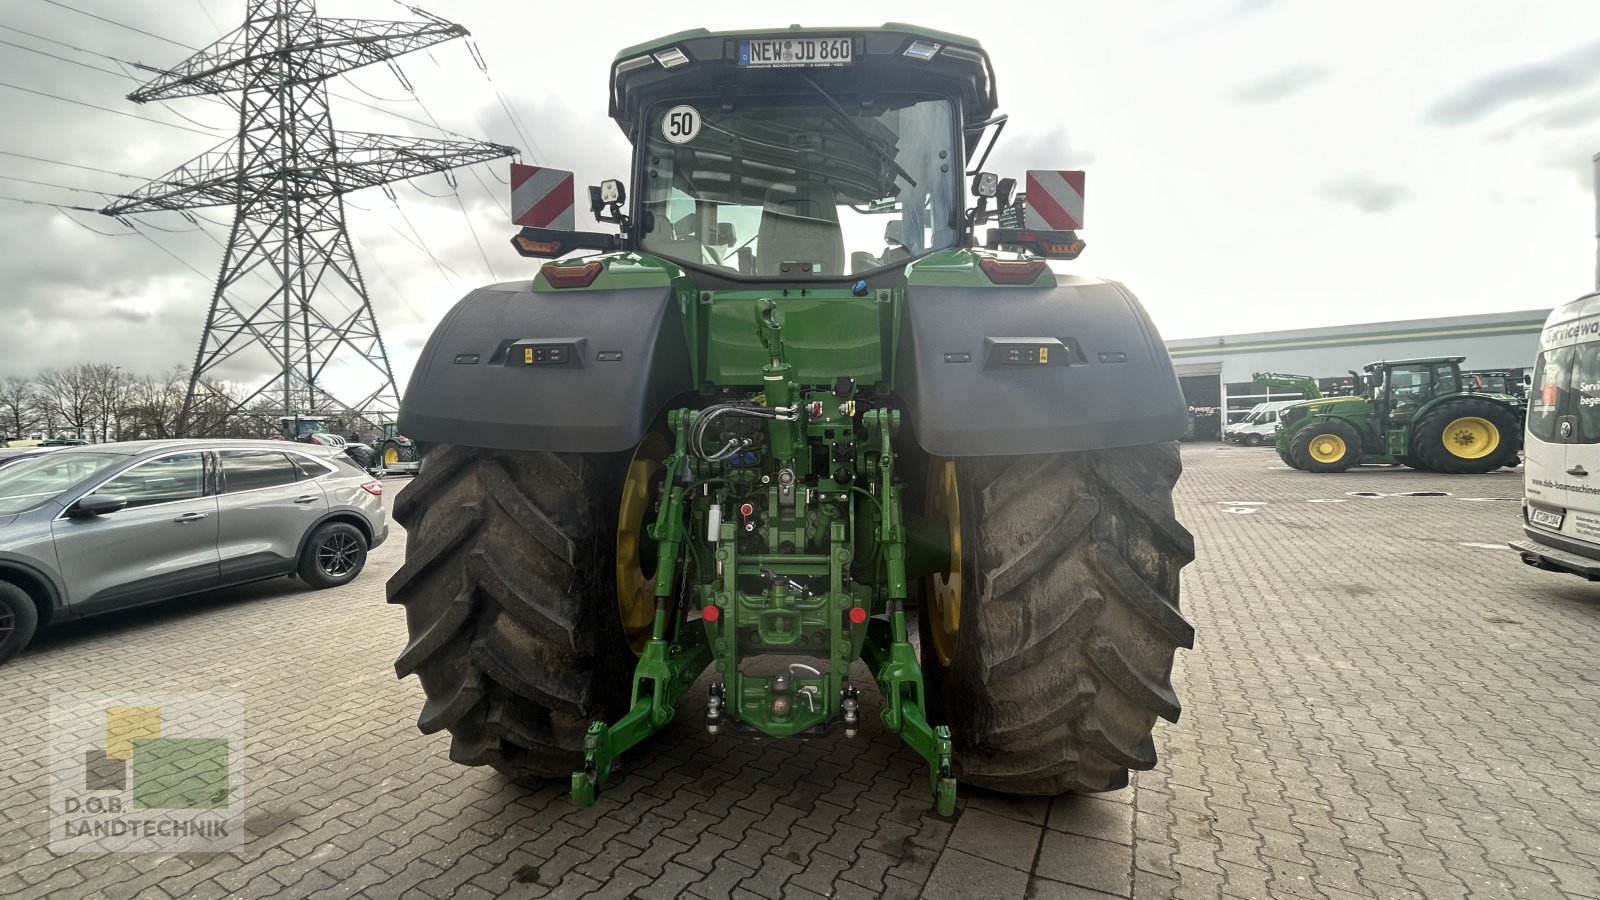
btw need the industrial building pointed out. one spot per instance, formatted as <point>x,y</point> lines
<point>1217,372</point>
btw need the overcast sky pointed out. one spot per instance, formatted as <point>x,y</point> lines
<point>1252,165</point>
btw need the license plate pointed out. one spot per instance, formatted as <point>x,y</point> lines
<point>797,51</point>
<point>1544,518</point>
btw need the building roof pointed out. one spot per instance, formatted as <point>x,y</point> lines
<point>1480,325</point>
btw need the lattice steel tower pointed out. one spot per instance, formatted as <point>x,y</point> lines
<point>286,174</point>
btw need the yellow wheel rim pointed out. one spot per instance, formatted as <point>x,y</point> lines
<point>635,582</point>
<point>1327,448</point>
<point>1470,437</point>
<point>944,591</point>
<point>391,455</point>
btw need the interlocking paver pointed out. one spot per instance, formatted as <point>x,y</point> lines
<point>1375,707</point>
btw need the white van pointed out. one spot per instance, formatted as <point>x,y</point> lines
<point>1561,505</point>
<point>1260,426</point>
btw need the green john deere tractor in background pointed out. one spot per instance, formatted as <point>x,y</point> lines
<point>394,450</point>
<point>798,408</point>
<point>1412,412</point>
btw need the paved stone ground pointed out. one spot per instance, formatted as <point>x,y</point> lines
<point>1382,703</point>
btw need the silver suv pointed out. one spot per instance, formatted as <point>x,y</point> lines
<point>86,530</point>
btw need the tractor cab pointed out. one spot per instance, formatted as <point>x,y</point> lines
<point>307,430</point>
<point>1399,388</point>
<point>807,155</point>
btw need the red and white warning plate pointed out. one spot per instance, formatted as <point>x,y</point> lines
<point>542,198</point>
<point>1055,200</point>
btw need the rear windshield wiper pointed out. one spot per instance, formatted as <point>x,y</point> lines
<point>876,144</point>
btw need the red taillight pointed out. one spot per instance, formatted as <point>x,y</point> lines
<point>1012,271</point>
<point>857,615</point>
<point>375,488</point>
<point>569,276</point>
<point>710,613</point>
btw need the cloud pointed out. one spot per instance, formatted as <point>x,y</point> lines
<point>1365,192</point>
<point>1571,71</point>
<point>1278,85</point>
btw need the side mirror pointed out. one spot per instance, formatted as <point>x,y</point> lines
<point>726,236</point>
<point>96,505</point>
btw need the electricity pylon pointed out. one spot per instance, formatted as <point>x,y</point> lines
<point>286,174</point>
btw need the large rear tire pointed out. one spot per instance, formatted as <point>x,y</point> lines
<point>1064,647</point>
<point>360,454</point>
<point>511,604</point>
<point>1465,436</point>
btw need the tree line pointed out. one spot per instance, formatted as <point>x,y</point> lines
<point>98,403</point>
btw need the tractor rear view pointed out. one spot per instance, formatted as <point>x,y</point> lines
<point>793,412</point>
<point>1413,412</point>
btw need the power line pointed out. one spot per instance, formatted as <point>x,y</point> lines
<point>51,40</point>
<point>163,249</point>
<point>18,87</point>
<point>473,229</point>
<point>93,229</point>
<point>58,162</point>
<point>66,60</point>
<point>53,185</point>
<point>46,203</point>
<point>120,24</point>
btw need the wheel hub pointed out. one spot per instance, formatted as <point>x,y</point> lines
<point>636,562</point>
<point>944,591</point>
<point>1327,448</point>
<point>337,555</point>
<point>1471,437</point>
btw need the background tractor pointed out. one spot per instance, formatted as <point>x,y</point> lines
<point>314,430</point>
<point>394,451</point>
<point>1412,412</point>
<point>797,409</point>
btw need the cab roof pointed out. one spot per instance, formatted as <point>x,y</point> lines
<point>1418,361</point>
<point>958,65</point>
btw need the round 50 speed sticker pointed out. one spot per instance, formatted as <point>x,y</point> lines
<point>681,124</point>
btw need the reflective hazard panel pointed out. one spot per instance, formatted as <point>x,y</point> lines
<point>1055,200</point>
<point>542,198</point>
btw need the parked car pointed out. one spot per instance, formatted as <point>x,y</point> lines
<point>10,456</point>
<point>86,530</point>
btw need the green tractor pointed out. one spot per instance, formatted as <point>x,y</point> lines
<point>394,451</point>
<point>796,412</point>
<point>1411,412</point>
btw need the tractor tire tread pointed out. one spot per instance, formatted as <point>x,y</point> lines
<point>1064,659</point>
<point>513,631</point>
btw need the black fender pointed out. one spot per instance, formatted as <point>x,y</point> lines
<point>1106,380</point>
<point>623,358</point>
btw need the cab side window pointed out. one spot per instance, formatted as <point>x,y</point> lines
<point>1409,388</point>
<point>168,479</point>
